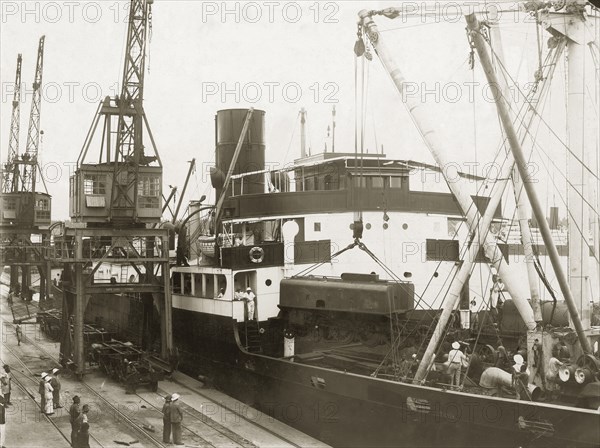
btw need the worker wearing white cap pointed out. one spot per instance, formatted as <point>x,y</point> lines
<point>42,390</point>
<point>176,419</point>
<point>55,383</point>
<point>456,359</point>
<point>520,377</point>
<point>250,296</point>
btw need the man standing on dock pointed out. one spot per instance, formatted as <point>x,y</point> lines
<point>166,411</point>
<point>6,385</point>
<point>74,413</point>
<point>19,334</point>
<point>79,421</point>
<point>49,405</point>
<point>176,417</point>
<point>42,390</point>
<point>55,383</point>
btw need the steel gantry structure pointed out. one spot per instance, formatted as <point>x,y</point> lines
<point>26,209</point>
<point>115,203</point>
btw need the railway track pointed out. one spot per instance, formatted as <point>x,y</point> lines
<point>123,416</point>
<point>33,377</point>
<point>196,423</point>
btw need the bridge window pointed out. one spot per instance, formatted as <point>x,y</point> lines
<point>395,182</point>
<point>360,182</point>
<point>94,184</point>
<point>377,182</point>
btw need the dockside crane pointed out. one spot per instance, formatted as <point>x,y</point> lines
<point>13,138</point>
<point>25,210</point>
<point>29,159</point>
<point>124,187</point>
<point>115,206</point>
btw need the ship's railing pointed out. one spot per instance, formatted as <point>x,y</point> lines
<point>216,306</point>
<point>259,255</point>
<point>287,181</point>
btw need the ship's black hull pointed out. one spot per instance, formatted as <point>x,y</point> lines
<point>344,409</point>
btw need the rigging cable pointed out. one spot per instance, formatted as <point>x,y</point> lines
<point>534,109</point>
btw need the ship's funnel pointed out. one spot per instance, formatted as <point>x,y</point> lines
<point>229,124</point>
<point>217,178</point>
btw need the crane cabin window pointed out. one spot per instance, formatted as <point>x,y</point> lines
<point>10,203</point>
<point>42,209</point>
<point>94,184</point>
<point>42,204</point>
<point>149,191</point>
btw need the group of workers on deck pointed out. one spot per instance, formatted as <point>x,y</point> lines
<point>250,298</point>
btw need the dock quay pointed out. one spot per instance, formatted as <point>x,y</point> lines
<point>211,418</point>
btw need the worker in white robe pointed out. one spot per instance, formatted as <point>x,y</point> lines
<point>49,406</point>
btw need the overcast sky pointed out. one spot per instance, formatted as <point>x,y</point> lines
<point>276,56</point>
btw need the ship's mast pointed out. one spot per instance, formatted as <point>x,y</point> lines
<point>302,133</point>
<point>422,119</point>
<point>521,161</point>
<point>333,129</point>
<point>579,33</point>
<point>520,196</point>
<point>13,140</point>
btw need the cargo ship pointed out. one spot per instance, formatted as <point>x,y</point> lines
<point>319,294</point>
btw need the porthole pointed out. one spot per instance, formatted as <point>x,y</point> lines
<point>405,226</point>
<point>268,282</point>
<point>385,226</point>
<point>368,226</point>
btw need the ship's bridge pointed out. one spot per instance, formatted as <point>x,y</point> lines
<point>340,182</point>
